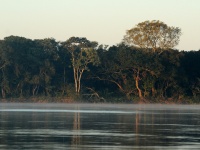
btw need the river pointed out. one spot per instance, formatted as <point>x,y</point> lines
<point>99,126</point>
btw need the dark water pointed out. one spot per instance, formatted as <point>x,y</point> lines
<point>99,127</point>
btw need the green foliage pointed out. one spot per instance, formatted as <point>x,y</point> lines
<point>83,54</point>
<point>153,34</point>
<point>121,73</point>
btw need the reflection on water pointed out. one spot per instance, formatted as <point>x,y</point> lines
<point>76,139</point>
<point>93,127</point>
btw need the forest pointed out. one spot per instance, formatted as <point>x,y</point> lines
<point>144,67</point>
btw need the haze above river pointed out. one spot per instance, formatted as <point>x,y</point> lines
<point>99,126</point>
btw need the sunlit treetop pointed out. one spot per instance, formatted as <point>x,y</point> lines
<point>154,35</point>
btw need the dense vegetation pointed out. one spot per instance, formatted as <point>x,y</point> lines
<point>79,68</point>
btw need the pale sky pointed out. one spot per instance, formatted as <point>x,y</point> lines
<point>104,21</point>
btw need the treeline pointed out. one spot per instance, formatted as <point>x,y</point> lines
<point>82,68</point>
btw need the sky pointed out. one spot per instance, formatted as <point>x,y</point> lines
<point>104,21</point>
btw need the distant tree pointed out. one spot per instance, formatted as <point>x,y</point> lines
<point>3,55</point>
<point>16,51</point>
<point>48,50</point>
<point>115,68</point>
<point>64,74</point>
<point>154,35</point>
<point>132,70</point>
<point>83,53</point>
<point>171,74</point>
<point>191,64</point>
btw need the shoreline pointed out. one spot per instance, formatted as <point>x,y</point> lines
<point>68,100</point>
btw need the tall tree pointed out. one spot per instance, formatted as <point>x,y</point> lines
<point>83,53</point>
<point>154,35</point>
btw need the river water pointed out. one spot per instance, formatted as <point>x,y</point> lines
<point>99,127</point>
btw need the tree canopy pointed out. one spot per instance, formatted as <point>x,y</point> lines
<point>154,35</point>
<point>78,66</point>
<point>83,53</point>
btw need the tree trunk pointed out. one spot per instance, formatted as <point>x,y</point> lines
<point>21,92</point>
<point>79,80</point>
<point>64,80</point>
<point>3,93</point>
<point>137,85</point>
<point>75,79</point>
<point>34,90</point>
<point>138,88</point>
<point>75,70</point>
<point>153,90</point>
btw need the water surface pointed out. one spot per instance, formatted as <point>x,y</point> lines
<point>99,126</point>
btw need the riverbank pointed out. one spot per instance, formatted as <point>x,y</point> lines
<point>110,100</point>
<point>38,100</point>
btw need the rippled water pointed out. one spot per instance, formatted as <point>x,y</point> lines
<point>99,126</point>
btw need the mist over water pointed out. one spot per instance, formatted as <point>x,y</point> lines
<point>99,126</point>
